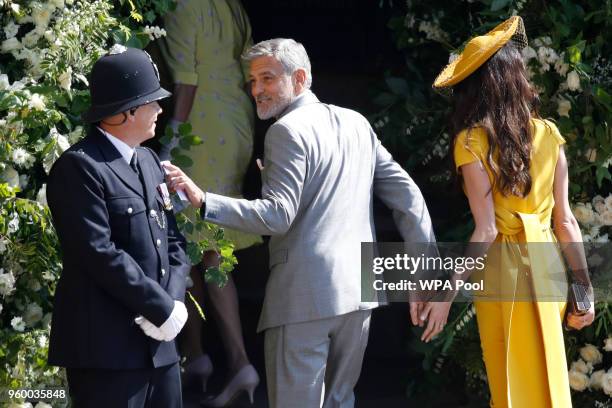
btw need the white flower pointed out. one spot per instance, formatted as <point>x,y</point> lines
<point>13,225</point>
<point>607,218</point>
<point>154,32</point>
<point>37,102</point>
<point>7,283</point>
<point>608,202</point>
<point>22,158</point>
<point>30,39</point>
<point>65,79</point>
<point>602,239</point>
<point>578,381</point>
<point>48,276</point>
<point>591,354</point>
<point>17,86</point>
<point>42,341</point>
<point>4,82</point>
<point>10,30</point>
<point>595,382</point>
<point>581,366</point>
<point>41,197</point>
<point>561,66</point>
<point>546,56</point>
<point>10,176</point>
<point>33,314</point>
<point>41,16</point>
<point>606,384</point>
<point>49,36</point>
<point>18,324</point>
<point>58,3</point>
<point>608,344</point>
<point>528,53</point>
<point>583,213</point>
<point>563,107</point>
<point>573,81</point>
<point>117,49</point>
<point>12,44</point>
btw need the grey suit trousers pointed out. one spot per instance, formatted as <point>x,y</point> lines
<point>303,359</point>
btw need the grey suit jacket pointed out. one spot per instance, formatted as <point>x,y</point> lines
<point>323,165</point>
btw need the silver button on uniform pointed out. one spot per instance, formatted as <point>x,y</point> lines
<point>163,271</point>
<point>158,243</point>
<point>152,213</point>
<point>130,210</point>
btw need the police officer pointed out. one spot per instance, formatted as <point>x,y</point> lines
<point>119,303</point>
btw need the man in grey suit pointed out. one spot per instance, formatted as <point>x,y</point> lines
<point>323,165</point>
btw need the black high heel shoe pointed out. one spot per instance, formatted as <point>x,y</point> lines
<point>197,372</point>
<point>246,379</point>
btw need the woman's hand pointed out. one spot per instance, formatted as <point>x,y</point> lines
<point>178,181</point>
<point>579,322</point>
<point>436,314</point>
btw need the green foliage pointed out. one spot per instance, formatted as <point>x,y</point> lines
<point>202,236</point>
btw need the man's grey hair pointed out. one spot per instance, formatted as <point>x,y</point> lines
<point>290,53</point>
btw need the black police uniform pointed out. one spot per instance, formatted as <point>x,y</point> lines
<point>122,255</point>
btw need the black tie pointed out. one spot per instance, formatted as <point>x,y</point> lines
<point>134,164</point>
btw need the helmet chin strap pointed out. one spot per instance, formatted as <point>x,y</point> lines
<point>125,117</point>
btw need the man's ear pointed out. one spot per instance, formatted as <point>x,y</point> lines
<point>299,80</point>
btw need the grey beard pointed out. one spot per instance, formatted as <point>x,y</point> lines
<point>276,109</point>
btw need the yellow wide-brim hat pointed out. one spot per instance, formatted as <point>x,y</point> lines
<point>479,49</point>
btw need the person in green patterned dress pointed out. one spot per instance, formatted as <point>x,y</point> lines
<point>205,39</point>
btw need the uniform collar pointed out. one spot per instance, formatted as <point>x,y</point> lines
<point>126,151</point>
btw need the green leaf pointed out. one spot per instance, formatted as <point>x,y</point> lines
<point>134,42</point>
<point>603,97</point>
<point>182,161</point>
<point>385,99</point>
<point>150,16</point>
<point>169,132</point>
<point>194,253</point>
<point>499,4</point>
<point>602,173</point>
<point>215,275</point>
<point>399,86</point>
<point>165,139</point>
<point>184,129</point>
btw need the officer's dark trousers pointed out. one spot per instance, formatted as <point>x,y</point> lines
<point>143,388</point>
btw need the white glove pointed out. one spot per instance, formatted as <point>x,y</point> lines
<point>173,325</point>
<point>149,328</point>
<point>170,328</point>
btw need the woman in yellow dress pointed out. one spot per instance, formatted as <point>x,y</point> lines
<point>514,173</point>
<point>203,47</point>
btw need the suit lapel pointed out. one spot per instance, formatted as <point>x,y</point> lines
<point>117,164</point>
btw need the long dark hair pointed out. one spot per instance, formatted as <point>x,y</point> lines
<point>498,98</point>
